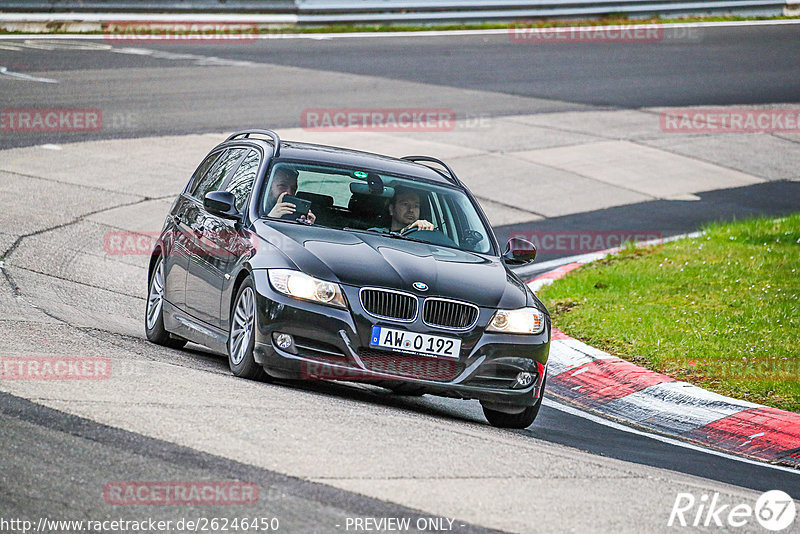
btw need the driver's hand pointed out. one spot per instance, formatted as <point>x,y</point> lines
<point>310,219</point>
<point>281,208</point>
<point>420,225</point>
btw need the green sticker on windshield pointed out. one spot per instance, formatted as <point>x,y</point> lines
<point>360,174</point>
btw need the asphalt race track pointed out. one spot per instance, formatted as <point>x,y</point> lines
<point>322,454</point>
<point>720,66</point>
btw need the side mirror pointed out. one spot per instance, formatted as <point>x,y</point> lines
<point>519,251</point>
<point>222,204</point>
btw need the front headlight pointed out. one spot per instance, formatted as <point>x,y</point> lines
<point>302,286</point>
<point>521,321</point>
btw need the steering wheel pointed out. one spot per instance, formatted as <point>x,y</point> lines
<point>409,231</point>
<point>472,238</point>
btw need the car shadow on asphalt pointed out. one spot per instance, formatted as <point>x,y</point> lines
<point>356,391</point>
<point>662,217</point>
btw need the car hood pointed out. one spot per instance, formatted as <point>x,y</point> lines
<point>363,259</point>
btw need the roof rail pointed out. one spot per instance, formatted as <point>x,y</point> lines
<point>452,175</point>
<point>276,141</point>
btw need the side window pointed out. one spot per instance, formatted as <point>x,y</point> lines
<point>218,172</point>
<point>242,182</point>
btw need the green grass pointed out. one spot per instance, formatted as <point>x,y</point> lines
<point>355,28</point>
<point>532,23</point>
<point>721,311</point>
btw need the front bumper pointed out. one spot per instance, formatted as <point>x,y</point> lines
<point>333,344</point>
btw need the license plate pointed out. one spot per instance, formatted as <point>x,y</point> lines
<point>413,343</point>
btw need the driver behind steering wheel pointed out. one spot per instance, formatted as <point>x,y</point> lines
<point>404,210</point>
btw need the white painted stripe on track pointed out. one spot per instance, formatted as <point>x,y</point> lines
<point>674,407</point>
<point>25,77</point>
<point>360,35</point>
<point>550,403</point>
<point>583,348</point>
<point>568,354</point>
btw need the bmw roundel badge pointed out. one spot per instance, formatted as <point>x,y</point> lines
<point>419,286</point>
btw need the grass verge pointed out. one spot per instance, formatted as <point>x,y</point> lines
<point>554,23</point>
<point>721,311</point>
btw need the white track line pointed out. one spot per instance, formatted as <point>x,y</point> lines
<point>363,35</point>
<point>27,77</point>
<point>550,403</point>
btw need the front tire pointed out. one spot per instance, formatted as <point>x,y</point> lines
<point>524,419</point>
<point>242,335</point>
<point>154,310</point>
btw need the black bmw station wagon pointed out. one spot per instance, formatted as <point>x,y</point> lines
<point>310,262</point>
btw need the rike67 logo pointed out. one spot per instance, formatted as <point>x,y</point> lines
<point>774,510</point>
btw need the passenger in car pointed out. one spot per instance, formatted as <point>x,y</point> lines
<point>284,182</point>
<point>404,211</point>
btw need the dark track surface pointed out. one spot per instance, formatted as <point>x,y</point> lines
<point>722,67</point>
<point>146,95</point>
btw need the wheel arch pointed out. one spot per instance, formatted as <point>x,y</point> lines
<point>244,273</point>
<point>154,256</point>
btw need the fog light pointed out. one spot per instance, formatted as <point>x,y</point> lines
<point>284,341</point>
<point>524,379</point>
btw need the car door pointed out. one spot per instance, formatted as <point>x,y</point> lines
<point>205,276</point>
<point>178,238</point>
<point>234,241</point>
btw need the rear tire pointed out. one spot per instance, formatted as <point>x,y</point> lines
<point>242,335</point>
<point>154,311</point>
<point>524,419</point>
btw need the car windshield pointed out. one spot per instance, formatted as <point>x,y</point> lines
<point>365,200</point>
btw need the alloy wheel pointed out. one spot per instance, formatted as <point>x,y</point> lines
<point>243,325</point>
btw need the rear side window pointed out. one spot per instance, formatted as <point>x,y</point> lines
<point>242,182</point>
<point>217,173</point>
<point>202,170</point>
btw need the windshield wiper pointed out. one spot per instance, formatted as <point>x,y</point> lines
<point>349,229</point>
<point>398,235</point>
<point>395,235</point>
